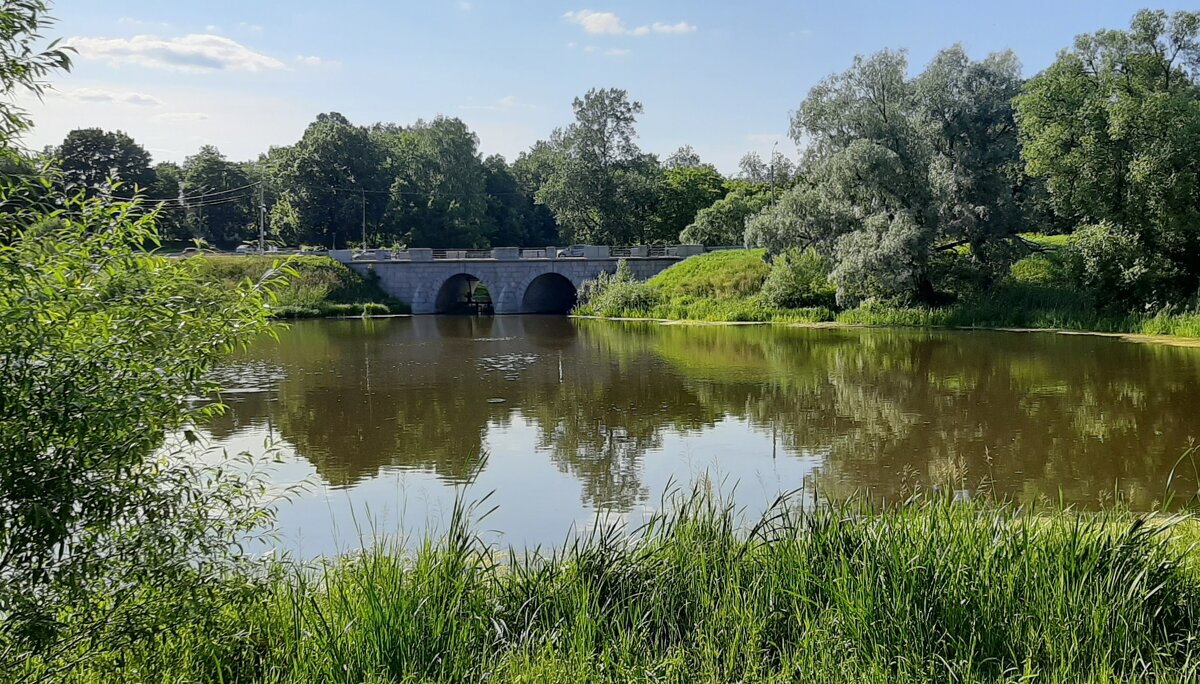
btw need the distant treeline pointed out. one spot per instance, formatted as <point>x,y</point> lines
<point>915,187</point>
<point>421,185</point>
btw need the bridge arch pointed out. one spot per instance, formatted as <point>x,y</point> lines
<point>549,293</point>
<point>463,293</point>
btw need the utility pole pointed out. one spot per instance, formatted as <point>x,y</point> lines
<point>262,218</point>
<point>773,171</point>
<point>363,192</point>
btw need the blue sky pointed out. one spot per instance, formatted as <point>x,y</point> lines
<point>723,77</point>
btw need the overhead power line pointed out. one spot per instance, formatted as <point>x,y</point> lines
<point>185,199</point>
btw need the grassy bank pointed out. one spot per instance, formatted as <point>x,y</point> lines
<point>321,286</point>
<point>929,592</point>
<point>728,287</point>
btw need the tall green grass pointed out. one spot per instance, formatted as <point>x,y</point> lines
<point>928,591</point>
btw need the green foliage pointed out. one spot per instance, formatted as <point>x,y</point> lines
<point>107,535</point>
<point>25,61</point>
<point>722,274</point>
<point>899,169</point>
<point>215,199</point>
<point>798,279</point>
<point>685,191</point>
<point>91,159</point>
<point>513,218</point>
<point>438,196</point>
<point>319,286</point>
<point>1113,127</point>
<point>723,223</point>
<point>1109,262</point>
<point>719,286</point>
<point>616,294</point>
<point>982,592</point>
<point>600,186</point>
<point>330,178</point>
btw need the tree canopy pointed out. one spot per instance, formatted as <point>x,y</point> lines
<point>899,169</point>
<point>601,187</point>
<point>1113,127</point>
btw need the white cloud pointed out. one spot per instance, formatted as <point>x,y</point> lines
<point>590,48</point>
<point>191,53</point>
<point>616,52</point>
<point>464,6</point>
<point>212,28</point>
<point>571,45</point>
<point>596,22</point>
<point>315,61</point>
<point>608,23</point>
<point>116,96</point>
<point>183,116</point>
<point>253,28</point>
<point>681,27</point>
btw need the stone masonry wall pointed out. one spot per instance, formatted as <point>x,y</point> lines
<point>417,283</point>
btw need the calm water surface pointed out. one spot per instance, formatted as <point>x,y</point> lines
<point>566,422</point>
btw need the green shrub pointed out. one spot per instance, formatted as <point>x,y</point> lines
<point>113,530</point>
<point>799,279</point>
<point>617,294</point>
<point>1112,264</point>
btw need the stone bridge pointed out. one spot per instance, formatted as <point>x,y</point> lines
<point>517,280</point>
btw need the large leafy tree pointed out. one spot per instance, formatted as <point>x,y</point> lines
<point>513,219</point>
<point>218,198</point>
<point>91,158</point>
<point>684,191</point>
<point>602,187</point>
<point>1113,127</point>
<point>724,222</point>
<point>438,195</point>
<point>167,192</point>
<point>898,170</point>
<point>331,180</point>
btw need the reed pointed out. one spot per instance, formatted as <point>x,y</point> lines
<point>927,591</point>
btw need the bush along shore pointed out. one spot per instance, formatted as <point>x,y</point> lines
<point>1038,292</point>
<point>317,286</point>
<point>931,591</point>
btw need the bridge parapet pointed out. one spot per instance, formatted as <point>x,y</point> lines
<point>583,252</point>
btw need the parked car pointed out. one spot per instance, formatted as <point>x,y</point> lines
<point>572,251</point>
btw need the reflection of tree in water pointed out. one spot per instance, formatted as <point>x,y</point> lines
<point>1031,412</point>
<point>1049,410</point>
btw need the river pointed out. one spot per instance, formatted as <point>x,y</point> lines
<point>566,422</point>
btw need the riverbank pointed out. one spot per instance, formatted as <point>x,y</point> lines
<point>318,287</point>
<point>933,590</point>
<point>727,287</point>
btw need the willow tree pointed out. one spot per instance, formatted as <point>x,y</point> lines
<point>898,170</point>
